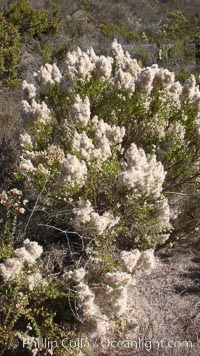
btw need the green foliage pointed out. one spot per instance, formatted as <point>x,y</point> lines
<point>18,21</point>
<point>45,311</point>
<point>197,48</point>
<point>34,22</point>
<point>42,311</point>
<point>8,160</point>
<point>175,25</point>
<point>10,49</point>
<point>46,53</point>
<point>8,224</point>
<point>88,15</point>
<point>61,51</point>
<point>182,76</point>
<point>112,30</point>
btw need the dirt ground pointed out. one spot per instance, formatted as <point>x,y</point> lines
<point>173,291</point>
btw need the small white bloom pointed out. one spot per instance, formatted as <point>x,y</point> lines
<point>10,269</point>
<point>28,90</point>
<point>80,111</point>
<point>78,274</point>
<point>130,259</point>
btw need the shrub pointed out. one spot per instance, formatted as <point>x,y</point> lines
<point>107,147</point>
<point>19,19</point>
<point>113,30</point>
<point>82,147</point>
<point>9,159</point>
<point>34,22</point>
<point>31,304</point>
<point>9,50</point>
<point>176,25</point>
<point>82,159</point>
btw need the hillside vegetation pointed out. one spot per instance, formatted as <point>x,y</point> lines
<point>99,177</point>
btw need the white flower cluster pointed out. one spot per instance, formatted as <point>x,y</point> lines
<point>80,111</point>
<point>83,64</point>
<point>26,141</point>
<point>154,77</point>
<point>104,134</point>
<point>103,67</point>
<point>124,81</point>
<point>159,126</point>
<point>191,92</point>
<point>163,78</point>
<point>26,166</point>
<point>34,110</point>
<point>135,260</point>
<point>117,288</point>
<point>73,171</point>
<point>84,144</point>
<point>177,131</point>
<point>130,259</point>
<point>77,275</point>
<point>103,304</point>
<point>147,261</point>
<point>87,149</point>
<point>10,269</point>
<point>163,215</point>
<point>48,75</point>
<point>95,322</point>
<point>13,266</point>
<point>142,172</point>
<point>39,163</point>
<point>103,129</point>
<point>30,252</point>
<point>128,69</point>
<point>163,210</point>
<point>51,155</point>
<point>198,125</point>
<point>145,80</point>
<point>159,78</point>
<point>28,91</point>
<point>128,76</point>
<point>12,200</point>
<point>124,61</point>
<point>175,90</point>
<point>85,215</point>
<point>34,280</point>
<point>79,64</point>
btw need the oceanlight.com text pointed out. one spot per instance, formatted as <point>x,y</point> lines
<point>105,343</point>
